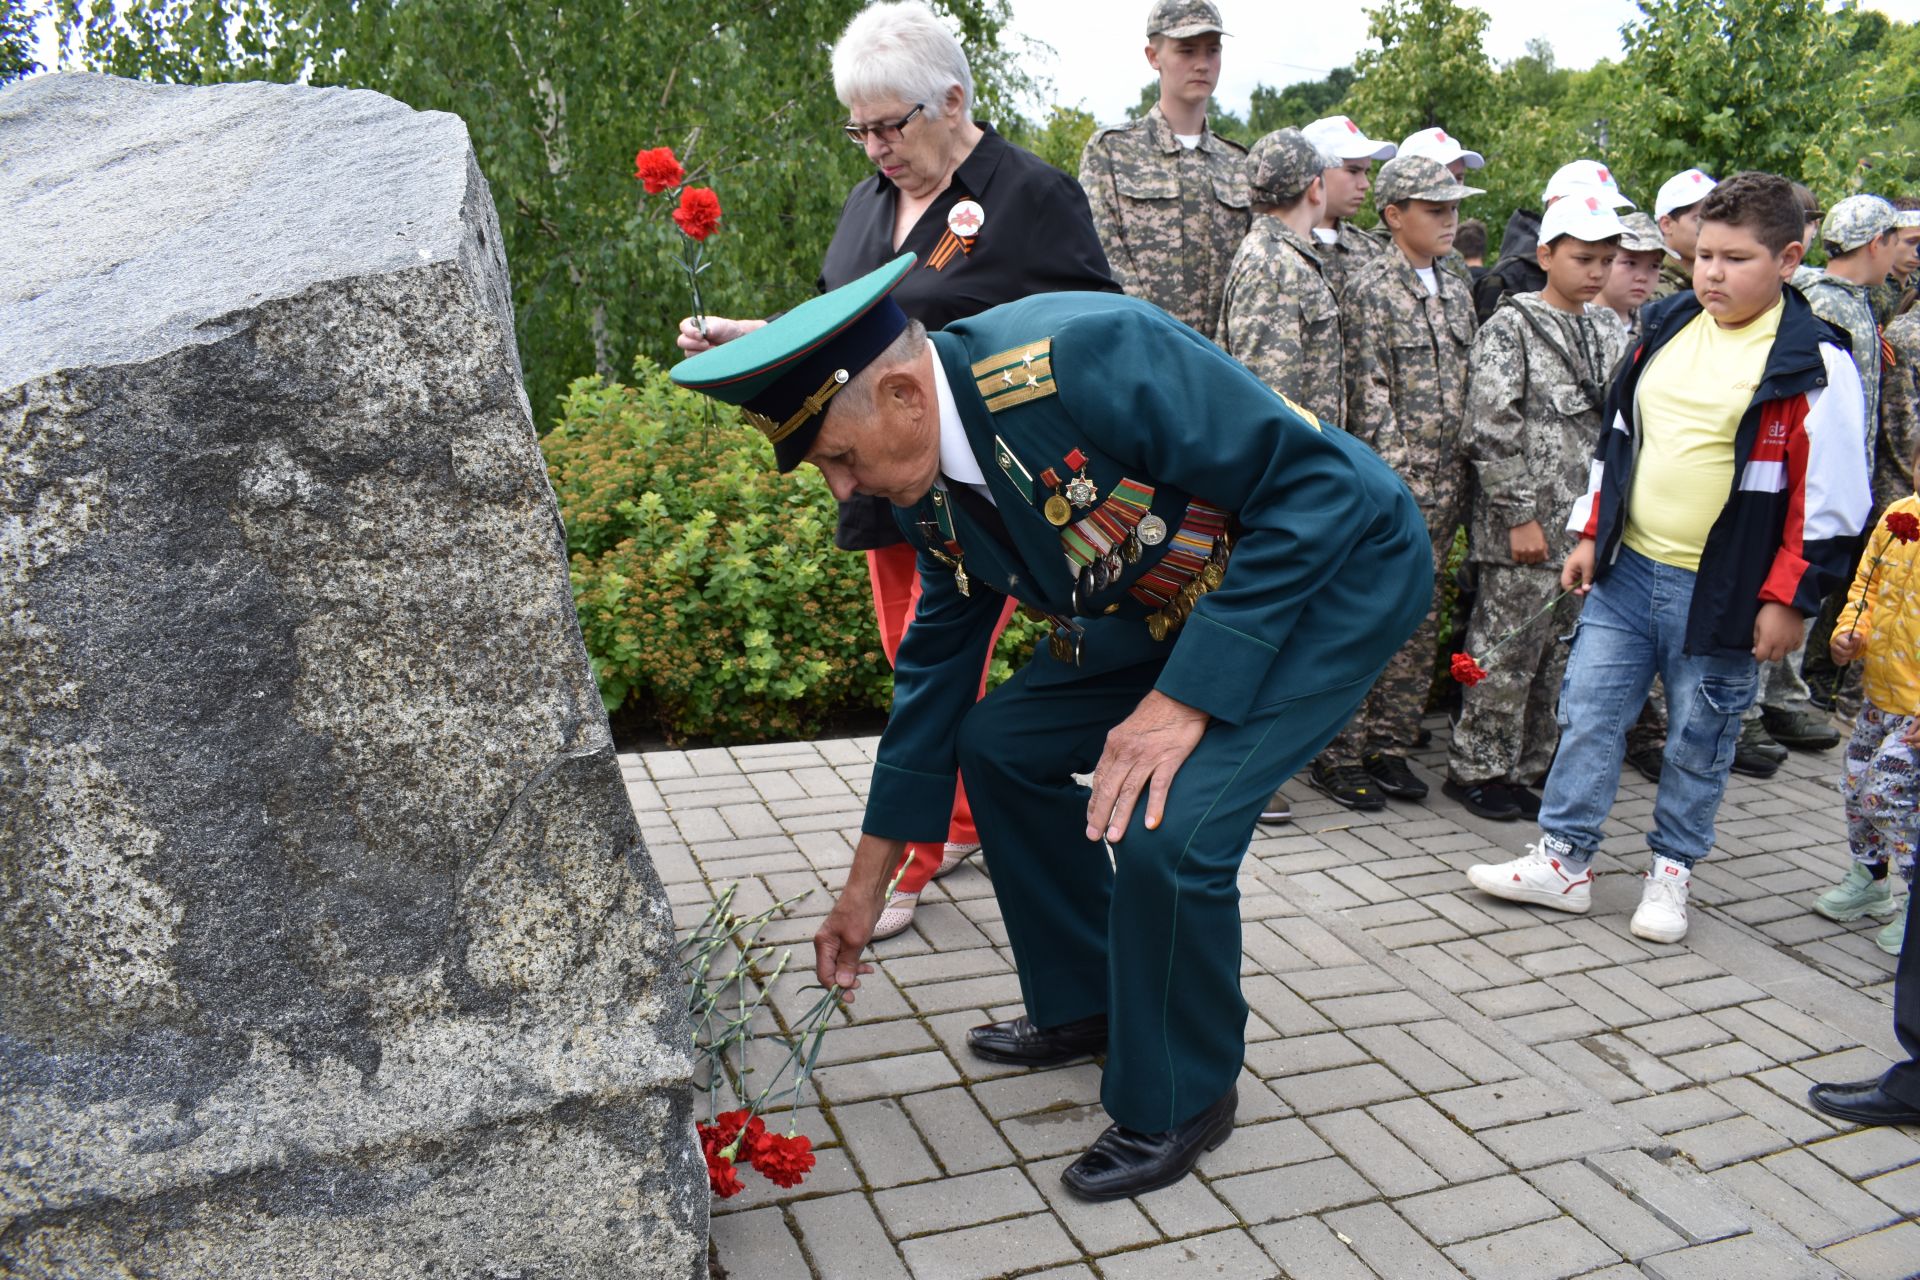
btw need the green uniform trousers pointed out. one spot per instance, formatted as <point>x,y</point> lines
<point>1150,936</point>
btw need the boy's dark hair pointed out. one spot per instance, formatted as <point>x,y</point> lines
<point>1470,238</point>
<point>1809,203</point>
<point>1763,203</point>
<point>1906,204</point>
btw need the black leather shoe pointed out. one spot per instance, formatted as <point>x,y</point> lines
<point>1757,755</point>
<point>1025,1045</point>
<point>1393,775</point>
<point>1648,759</point>
<point>1526,798</point>
<point>1484,799</point>
<point>1863,1102</point>
<point>1123,1162</point>
<point>1348,784</point>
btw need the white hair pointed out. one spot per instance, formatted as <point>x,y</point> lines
<point>901,51</point>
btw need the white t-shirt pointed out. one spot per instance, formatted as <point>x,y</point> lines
<point>1326,235</point>
<point>1428,279</point>
<point>1187,140</point>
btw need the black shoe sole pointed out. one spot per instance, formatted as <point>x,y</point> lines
<point>1401,793</point>
<point>1373,805</point>
<point>1028,1060</point>
<point>1902,1118</point>
<point>1766,770</point>
<point>1212,1142</point>
<point>1810,744</point>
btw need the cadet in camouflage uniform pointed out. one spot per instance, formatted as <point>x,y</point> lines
<point>1893,477</point>
<point>1538,381</point>
<point>1171,213</point>
<point>1677,208</point>
<point>1281,318</point>
<point>1343,247</point>
<point>1408,329</point>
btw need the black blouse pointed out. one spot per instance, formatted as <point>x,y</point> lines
<point>1036,236</point>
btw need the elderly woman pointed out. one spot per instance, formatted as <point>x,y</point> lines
<point>990,222</point>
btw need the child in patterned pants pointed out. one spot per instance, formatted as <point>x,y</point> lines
<point>1881,620</point>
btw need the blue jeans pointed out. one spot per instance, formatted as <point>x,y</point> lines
<point>1634,626</point>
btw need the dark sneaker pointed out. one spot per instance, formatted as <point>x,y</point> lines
<point>1757,755</point>
<point>1348,784</point>
<point>1647,759</point>
<point>1393,775</point>
<point>1484,799</point>
<point>1527,798</point>
<point>1805,730</point>
<point>1277,808</point>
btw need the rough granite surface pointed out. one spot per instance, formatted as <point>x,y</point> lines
<point>329,944</point>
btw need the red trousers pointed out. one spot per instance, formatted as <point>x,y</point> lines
<point>895,575</point>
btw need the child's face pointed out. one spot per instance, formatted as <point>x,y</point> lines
<point>1577,269</point>
<point>1632,280</point>
<point>1347,186</point>
<point>1908,257</point>
<point>1189,68</point>
<point>1682,229</point>
<point>1423,228</point>
<point>1881,254</point>
<point>1738,278</point>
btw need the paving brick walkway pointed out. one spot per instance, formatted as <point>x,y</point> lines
<point>1436,1084</point>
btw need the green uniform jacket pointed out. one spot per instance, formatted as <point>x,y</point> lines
<point>1329,540</point>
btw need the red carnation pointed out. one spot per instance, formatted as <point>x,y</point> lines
<point>784,1161</point>
<point>1904,526</point>
<point>658,170</point>
<point>722,1178</point>
<point>1466,670</point>
<point>699,212</point>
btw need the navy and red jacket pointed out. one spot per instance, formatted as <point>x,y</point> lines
<point>1800,493</point>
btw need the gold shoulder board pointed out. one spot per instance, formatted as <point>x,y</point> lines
<point>1016,375</point>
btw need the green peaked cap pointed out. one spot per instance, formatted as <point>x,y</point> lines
<point>783,374</point>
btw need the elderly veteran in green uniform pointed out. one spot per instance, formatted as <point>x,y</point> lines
<point>1226,577</point>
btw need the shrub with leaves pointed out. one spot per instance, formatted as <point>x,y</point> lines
<point>708,586</point>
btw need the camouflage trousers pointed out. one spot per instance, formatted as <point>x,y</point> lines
<point>1389,720</point>
<point>1507,729</point>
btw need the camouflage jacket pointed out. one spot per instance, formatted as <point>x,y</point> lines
<point>1406,356</point>
<point>1899,414</point>
<point>1534,397</point>
<point>1675,277</point>
<point>1847,307</point>
<point>1281,320</point>
<point>1352,250</point>
<point>1169,218</point>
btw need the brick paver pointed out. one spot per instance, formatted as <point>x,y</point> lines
<point>1437,1084</point>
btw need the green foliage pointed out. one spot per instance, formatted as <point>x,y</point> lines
<point>1298,104</point>
<point>558,98</point>
<point>1059,141</point>
<point>1430,69</point>
<point>708,586</point>
<point>16,41</point>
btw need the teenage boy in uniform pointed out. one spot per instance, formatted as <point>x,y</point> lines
<point>1727,495</point>
<point>1635,274</point>
<point>1169,196</point>
<point>1677,208</point>
<point>1408,326</point>
<point>1343,247</point>
<point>1539,376</point>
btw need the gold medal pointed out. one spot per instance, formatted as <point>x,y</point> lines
<point>1058,511</point>
<point>960,578</point>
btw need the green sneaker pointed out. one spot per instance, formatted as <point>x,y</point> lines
<point>1857,895</point>
<point>1890,938</point>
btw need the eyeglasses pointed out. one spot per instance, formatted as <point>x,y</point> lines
<point>886,130</point>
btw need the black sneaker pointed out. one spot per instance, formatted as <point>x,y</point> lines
<point>1527,798</point>
<point>1393,775</point>
<point>1806,730</point>
<point>1484,799</point>
<point>1348,784</point>
<point>1648,759</point>
<point>1757,755</point>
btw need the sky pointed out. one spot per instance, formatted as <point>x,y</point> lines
<point>1098,61</point>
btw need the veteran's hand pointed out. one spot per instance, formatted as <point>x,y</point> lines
<point>1776,631</point>
<point>1577,574</point>
<point>1144,750</point>
<point>720,330</point>
<point>1527,543</point>
<point>848,928</point>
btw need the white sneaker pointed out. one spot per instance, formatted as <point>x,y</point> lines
<point>954,855</point>
<point>898,915</point>
<point>1538,879</point>
<point>1662,914</point>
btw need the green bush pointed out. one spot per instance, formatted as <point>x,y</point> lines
<point>709,590</point>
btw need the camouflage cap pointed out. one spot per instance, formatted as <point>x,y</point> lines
<point>1418,178</point>
<point>1281,166</point>
<point>1857,220</point>
<point>1179,19</point>
<point>1643,234</point>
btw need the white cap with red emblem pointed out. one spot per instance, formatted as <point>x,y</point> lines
<point>1341,137</point>
<point>1584,173</point>
<point>1438,144</point>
